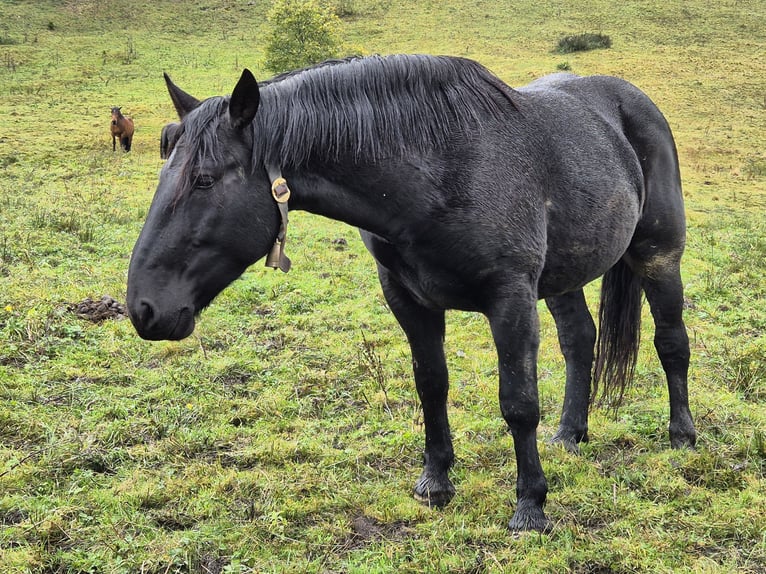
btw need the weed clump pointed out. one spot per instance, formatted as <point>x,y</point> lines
<point>583,43</point>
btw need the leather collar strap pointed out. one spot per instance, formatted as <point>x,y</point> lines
<point>281,193</point>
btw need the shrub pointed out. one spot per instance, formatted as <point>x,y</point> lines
<point>304,32</point>
<point>345,8</point>
<point>583,42</point>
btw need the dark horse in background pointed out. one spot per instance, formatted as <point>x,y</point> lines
<point>168,137</point>
<point>470,195</point>
<point>122,129</point>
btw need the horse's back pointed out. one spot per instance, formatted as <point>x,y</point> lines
<point>623,106</point>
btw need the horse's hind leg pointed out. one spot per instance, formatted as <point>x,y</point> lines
<point>656,258</point>
<point>577,337</point>
<point>664,291</point>
<point>655,254</point>
<point>425,332</point>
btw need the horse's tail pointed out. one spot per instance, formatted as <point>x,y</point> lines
<point>619,333</point>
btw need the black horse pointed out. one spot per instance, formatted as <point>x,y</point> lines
<point>168,138</point>
<point>470,195</point>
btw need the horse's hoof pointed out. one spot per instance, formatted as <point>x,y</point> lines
<point>435,492</point>
<point>681,441</point>
<point>566,443</point>
<point>683,435</point>
<point>569,440</point>
<point>530,519</point>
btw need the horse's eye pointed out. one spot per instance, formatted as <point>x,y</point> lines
<point>204,181</point>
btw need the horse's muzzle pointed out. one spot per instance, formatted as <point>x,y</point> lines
<point>152,325</point>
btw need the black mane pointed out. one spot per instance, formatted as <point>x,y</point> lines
<point>374,107</point>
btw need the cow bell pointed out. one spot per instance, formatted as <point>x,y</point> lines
<point>276,259</point>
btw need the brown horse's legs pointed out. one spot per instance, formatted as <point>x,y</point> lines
<point>114,143</point>
<point>664,291</point>
<point>515,330</point>
<point>425,332</point>
<point>577,338</point>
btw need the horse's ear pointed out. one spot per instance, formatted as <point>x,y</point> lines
<point>183,102</point>
<point>244,100</point>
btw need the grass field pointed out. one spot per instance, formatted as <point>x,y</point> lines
<point>285,435</point>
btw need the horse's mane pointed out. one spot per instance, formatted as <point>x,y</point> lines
<point>365,109</point>
<point>375,107</point>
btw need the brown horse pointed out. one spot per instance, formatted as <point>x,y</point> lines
<point>122,128</point>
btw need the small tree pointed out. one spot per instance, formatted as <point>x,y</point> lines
<point>304,32</point>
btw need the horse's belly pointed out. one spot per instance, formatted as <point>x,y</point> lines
<point>563,276</point>
<point>583,249</point>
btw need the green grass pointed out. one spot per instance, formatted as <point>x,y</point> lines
<point>285,435</point>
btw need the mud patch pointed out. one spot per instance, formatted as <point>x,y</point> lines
<point>366,530</point>
<point>99,310</point>
<point>173,521</point>
<point>13,516</point>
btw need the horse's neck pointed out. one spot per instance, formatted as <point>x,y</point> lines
<point>375,200</point>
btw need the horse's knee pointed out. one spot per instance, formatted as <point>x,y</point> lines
<point>520,412</point>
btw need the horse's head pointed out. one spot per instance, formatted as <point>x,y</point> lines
<point>116,113</point>
<point>212,215</point>
<point>168,136</point>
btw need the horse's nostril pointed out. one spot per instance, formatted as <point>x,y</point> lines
<point>145,312</point>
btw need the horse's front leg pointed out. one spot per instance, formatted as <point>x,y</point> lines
<point>425,332</point>
<point>515,329</point>
<point>114,143</point>
<point>577,338</point>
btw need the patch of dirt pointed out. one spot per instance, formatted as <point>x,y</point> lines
<point>590,567</point>
<point>99,310</point>
<point>16,362</point>
<point>339,243</point>
<point>172,521</point>
<point>210,564</point>
<point>13,516</point>
<point>366,529</point>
